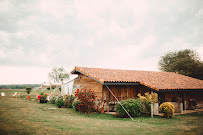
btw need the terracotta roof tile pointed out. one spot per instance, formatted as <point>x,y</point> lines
<point>152,79</point>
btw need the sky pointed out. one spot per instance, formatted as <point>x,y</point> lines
<point>37,35</point>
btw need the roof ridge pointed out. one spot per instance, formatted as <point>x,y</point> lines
<point>122,69</point>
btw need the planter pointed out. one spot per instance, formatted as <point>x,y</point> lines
<point>59,106</point>
<point>43,101</point>
<point>28,97</point>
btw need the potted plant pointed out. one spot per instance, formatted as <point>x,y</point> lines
<point>28,90</point>
<point>42,98</point>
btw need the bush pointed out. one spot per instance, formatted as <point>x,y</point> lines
<point>148,99</point>
<point>58,98</point>
<point>60,103</point>
<point>132,106</point>
<point>53,99</point>
<point>167,109</point>
<point>76,105</point>
<point>28,90</point>
<point>68,101</point>
<point>86,98</point>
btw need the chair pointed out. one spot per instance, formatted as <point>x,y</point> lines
<point>15,95</point>
<point>3,94</point>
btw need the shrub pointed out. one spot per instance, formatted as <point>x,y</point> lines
<point>167,109</point>
<point>98,105</point>
<point>28,90</point>
<point>60,103</point>
<point>76,105</point>
<point>58,98</point>
<point>53,99</point>
<point>86,98</point>
<point>148,99</point>
<point>132,106</point>
<point>68,101</point>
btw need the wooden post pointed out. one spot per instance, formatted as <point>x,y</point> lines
<point>181,108</point>
<point>152,110</point>
<point>185,101</point>
<point>156,108</point>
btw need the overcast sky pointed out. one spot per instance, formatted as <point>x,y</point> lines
<point>37,35</point>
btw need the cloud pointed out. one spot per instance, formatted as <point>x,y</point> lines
<point>128,34</point>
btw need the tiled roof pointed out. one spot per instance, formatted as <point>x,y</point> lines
<point>151,79</point>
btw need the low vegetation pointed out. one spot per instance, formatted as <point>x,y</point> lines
<point>147,99</point>
<point>167,109</point>
<point>86,98</point>
<point>22,116</point>
<point>132,106</point>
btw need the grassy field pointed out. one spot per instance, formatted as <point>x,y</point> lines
<point>21,116</point>
<point>23,94</point>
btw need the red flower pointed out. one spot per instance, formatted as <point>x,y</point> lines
<point>38,97</point>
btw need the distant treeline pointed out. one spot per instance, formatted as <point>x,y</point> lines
<point>19,86</point>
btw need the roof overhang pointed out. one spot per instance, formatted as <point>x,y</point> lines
<point>121,83</point>
<point>75,71</point>
<point>178,90</point>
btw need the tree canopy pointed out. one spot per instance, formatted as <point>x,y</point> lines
<point>185,62</point>
<point>58,75</point>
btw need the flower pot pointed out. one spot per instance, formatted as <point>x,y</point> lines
<point>41,101</point>
<point>28,97</point>
<point>59,106</point>
<point>45,101</point>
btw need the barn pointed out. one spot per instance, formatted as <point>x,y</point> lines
<point>170,87</point>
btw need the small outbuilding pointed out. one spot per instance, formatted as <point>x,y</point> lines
<point>170,87</point>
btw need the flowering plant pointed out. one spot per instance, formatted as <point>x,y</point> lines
<point>147,99</point>
<point>86,98</point>
<point>167,109</point>
<point>42,96</point>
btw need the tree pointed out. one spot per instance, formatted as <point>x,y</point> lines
<point>58,75</point>
<point>185,62</point>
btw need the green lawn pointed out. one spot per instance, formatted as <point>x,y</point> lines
<point>21,116</point>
